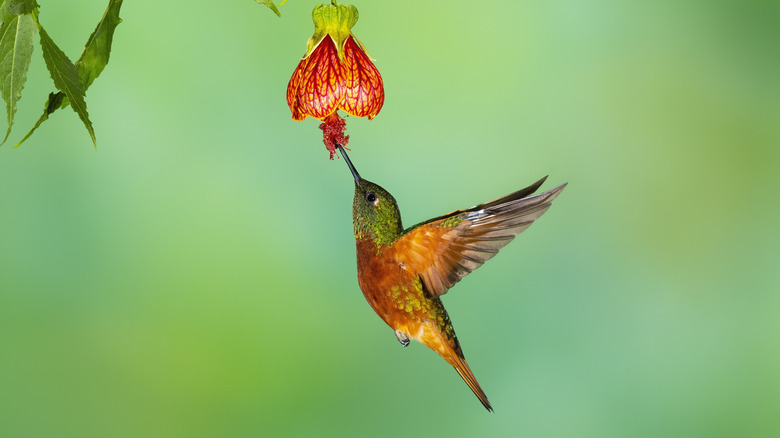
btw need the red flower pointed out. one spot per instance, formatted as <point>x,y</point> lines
<point>323,82</point>
<point>335,74</point>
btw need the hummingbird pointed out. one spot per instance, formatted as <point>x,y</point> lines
<point>404,272</point>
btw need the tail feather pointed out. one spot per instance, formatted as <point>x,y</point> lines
<point>444,342</point>
<point>465,372</point>
<point>448,347</point>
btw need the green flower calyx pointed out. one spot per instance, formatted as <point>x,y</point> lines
<point>335,20</point>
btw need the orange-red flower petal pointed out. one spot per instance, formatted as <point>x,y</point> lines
<point>365,93</point>
<point>315,88</point>
<point>322,83</point>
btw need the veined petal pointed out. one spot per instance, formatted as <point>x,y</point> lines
<point>316,87</point>
<point>364,90</point>
<point>292,92</point>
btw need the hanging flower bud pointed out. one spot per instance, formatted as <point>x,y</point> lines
<point>336,72</point>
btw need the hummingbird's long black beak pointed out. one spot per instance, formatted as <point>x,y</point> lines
<point>349,163</point>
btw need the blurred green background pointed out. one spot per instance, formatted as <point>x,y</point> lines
<point>195,276</point>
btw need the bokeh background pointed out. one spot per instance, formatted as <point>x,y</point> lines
<point>195,276</point>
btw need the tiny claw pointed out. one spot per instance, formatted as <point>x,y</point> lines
<point>403,338</point>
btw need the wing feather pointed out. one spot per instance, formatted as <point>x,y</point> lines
<point>447,248</point>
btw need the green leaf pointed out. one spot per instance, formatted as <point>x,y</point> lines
<point>16,47</point>
<point>54,102</point>
<point>89,65</point>
<point>19,7</point>
<point>66,79</point>
<point>98,48</point>
<point>271,5</point>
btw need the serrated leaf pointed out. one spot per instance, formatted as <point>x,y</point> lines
<point>98,48</point>
<point>52,104</point>
<point>19,7</point>
<point>16,47</point>
<point>66,78</point>
<point>271,5</point>
<point>90,64</point>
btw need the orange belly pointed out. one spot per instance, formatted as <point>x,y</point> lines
<point>395,292</point>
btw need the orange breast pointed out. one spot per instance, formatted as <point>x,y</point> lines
<point>392,287</point>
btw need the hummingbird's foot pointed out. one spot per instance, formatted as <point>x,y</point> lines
<point>403,338</point>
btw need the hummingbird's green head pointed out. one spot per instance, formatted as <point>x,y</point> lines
<point>375,213</point>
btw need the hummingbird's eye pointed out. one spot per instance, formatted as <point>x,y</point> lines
<point>370,197</point>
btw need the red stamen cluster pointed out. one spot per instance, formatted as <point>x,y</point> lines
<point>333,133</point>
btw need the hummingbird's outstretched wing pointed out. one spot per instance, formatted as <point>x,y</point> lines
<point>447,248</point>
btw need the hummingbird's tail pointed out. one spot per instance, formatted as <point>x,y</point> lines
<point>449,349</point>
<point>447,346</point>
<point>459,362</point>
